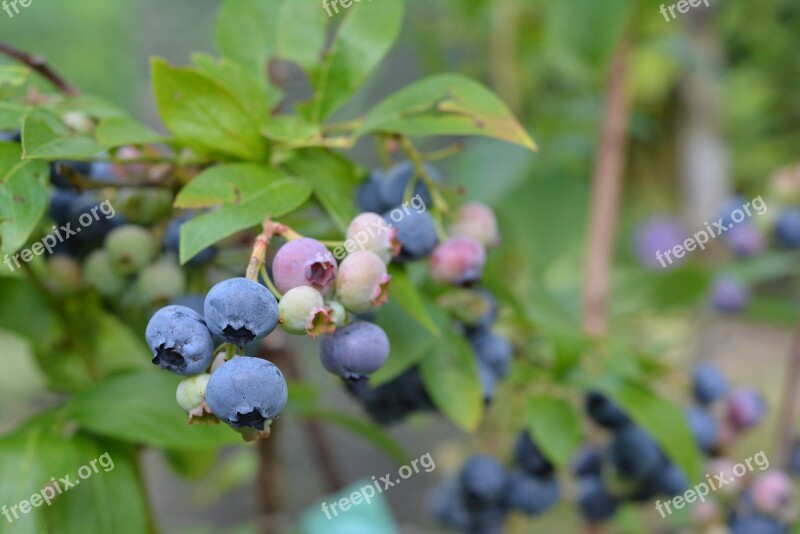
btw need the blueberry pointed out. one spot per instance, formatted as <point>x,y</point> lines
<point>102,171</point>
<point>532,495</point>
<point>493,350</point>
<point>194,301</point>
<point>363,283</point>
<point>529,457</point>
<point>302,311</point>
<point>604,412</point>
<point>458,261</point>
<point>60,201</point>
<point>595,502</point>
<point>304,262</point>
<point>477,221</point>
<point>247,393</point>
<point>448,507</point>
<point>704,428</point>
<point>11,137</point>
<point>394,400</point>
<point>670,480</point>
<point>355,351</point>
<point>369,231</point>
<point>130,248</point>
<point>368,195</point>
<point>757,525</point>
<point>416,233</point>
<point>588,462</point>
<point>180,341</point>
<point>708,383</point>
<point>745,241</point>
<point>87,217</point>
<point>787,228</point>
<point>488,382</point>
<point>392,189</point>
<point>659,233</point>
<point>172,240</point>
<point>745,408</point>
<point>729,295</point>
<point>634,453</point>
<point>483,481</point>
<point>241,311</point>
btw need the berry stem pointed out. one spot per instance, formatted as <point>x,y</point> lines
<point>452,150</point>
<point>39,64</point>
<point>269,284</point>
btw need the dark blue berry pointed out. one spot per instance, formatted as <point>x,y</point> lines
<point>604,412</point>
<point>708,383</point>
<point>529,457</point>
<point>180,340</point>
<point>240,311</point>
<point>416,233</point>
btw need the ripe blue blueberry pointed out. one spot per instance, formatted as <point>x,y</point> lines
<point>449,508</point>
<point>180,341</point>
<point>368,195</point>
<point>60,201</point>
<point>241,311</point>
<point>729,295</point>
<point>416,233</point>
<point>532,495</point>
<point>670,480</point>
<point>604,412</point>
<point>588,461</point>
<point>596,503</point>
<point>393,187</point>
<point>247,393</point>
<point>529,457</point>
<point>708,383</point>
<point>86,216</point>
<point>757,525</point>
<point>493,350</point>
<point>355,351</point>
<point>634,453</point>
<point>483,480</point>
<point>704,428</point>
<point>787,228</point>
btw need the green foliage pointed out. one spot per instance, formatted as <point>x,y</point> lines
<point>23,197</point>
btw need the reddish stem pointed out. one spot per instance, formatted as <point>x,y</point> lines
<point>39,64</point>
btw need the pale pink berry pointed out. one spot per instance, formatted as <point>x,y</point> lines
<point>459,261</point>
<point>304,262</point>
<point>370,231</point>
<point>362,284</point>
<point>772,492</point>
<point>477,220</point>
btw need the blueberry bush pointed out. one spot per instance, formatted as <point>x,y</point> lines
<point>155,277</point>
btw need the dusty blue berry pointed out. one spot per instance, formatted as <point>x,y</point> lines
<point>241,311</point>
<point>180,341</point>
<point>355,351</point>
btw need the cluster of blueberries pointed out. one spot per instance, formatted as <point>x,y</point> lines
<point>629,467</point>
<point>479,498</point>
<point>458,262</point>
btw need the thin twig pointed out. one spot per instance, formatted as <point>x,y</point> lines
<point>39,64</point>
<point>788,408</point>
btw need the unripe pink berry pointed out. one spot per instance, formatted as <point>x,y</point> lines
<point>304,262</point>
<point>362,284</point>
<point>370,231</point>
<point>772,492</point>
<point>459,260</point>
<point>745,408</point>
<point>303,311</point>
<point>477,220</point>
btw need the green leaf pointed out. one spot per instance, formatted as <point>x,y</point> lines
<point>13,75</point>
<point>362,40</point>
<point>226,184</point>
<point>403,290</point>
<point>333,177</point>
<point>446,104</point>
<point>274,200</point>
<point>203,114</point>
<point>291,129</point>
<point>44,135</point>
<point>450,374</point>
<point>247,34</point>
<point>121,131</point>
<point>94,106</point>
<point>660,417</point>
<point>23,197</point>
<point>140,407</point>
<point>253,94</point>
<point>11,115</point>
<point>367,430</point>
<point>411,341</point>
<point>302,32</point>
<point>555,427</point>
<point>110,499</point>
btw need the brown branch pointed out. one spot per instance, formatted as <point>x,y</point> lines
<point>788,407</point>
<point>39,64</point>
<point>609,168</point>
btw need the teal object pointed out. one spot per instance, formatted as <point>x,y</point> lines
<point>360,516</point>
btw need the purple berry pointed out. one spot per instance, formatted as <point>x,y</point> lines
<point>241,311</point>
<point>729,295</point>
<point>772,492</point>
<point>458,261</point>
<point>247,392</point>
<point>369,231</point>
<point>304,262</point>
<point>355,351</point>
<point>787,228</point>
<point>745,241</point>
<point>180,341</point>
<point>363,283</point>
<point>745,408</point>
<point>658,234</point>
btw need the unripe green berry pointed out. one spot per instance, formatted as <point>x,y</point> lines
<point>338,313</point>
<point>161,282</point>
<point>302,311</point>
<point>130,248</point>
<point>64,274</point>
<point>99,273</point>
<point>191,392</point>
